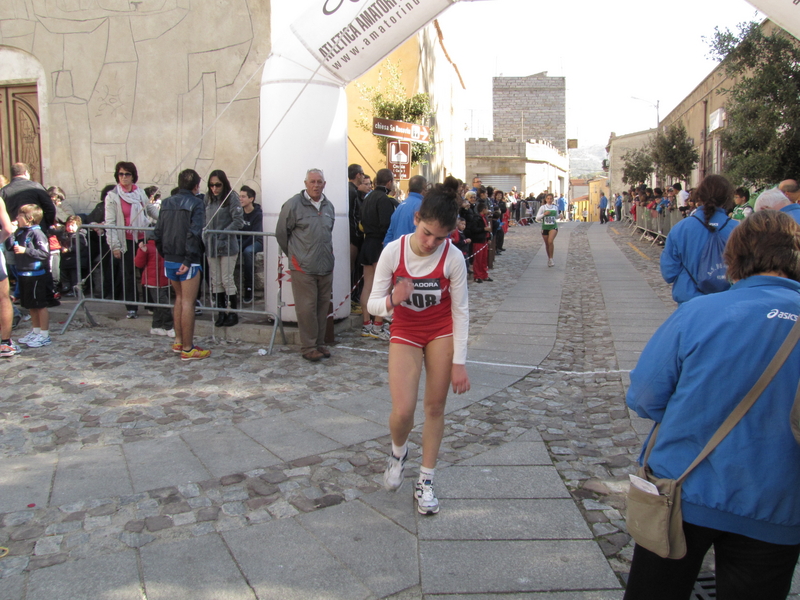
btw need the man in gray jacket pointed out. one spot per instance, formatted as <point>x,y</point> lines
<point>304,233</point>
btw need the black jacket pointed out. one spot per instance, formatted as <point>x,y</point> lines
<point>179,229</point>
<point>376,213</point>
<point>23,191</point>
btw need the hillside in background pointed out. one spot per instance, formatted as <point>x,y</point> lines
<point>586,161</point>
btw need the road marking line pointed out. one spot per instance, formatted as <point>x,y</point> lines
<point>491,364</point>
<point>644,256</point>
<point>614,229</point>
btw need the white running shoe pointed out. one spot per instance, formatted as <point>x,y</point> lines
<point>381,333</point>
<point>427,502</point>
<point>158,331</point>
<point>27,338</point>
<point>38,341</point>
<point>393,475</point>
<point>551,262</point>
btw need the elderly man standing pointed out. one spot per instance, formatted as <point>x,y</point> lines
<point>304,233</point>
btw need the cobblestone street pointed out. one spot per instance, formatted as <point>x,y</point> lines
<point>113,450</point>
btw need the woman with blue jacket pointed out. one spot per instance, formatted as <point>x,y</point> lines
<point>744,498</point>
<point>685,242</point>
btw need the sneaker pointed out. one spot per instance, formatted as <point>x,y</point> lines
<point>27,338</point>
<point>197,308</point>
<point>170,333</point>
<point>132,314</point>
<point>355,308</point>
<point>176,347</point>
<point>427,503</point>
<point>39,341</point>
<point>158,331</point>
<point>381,333</point>
<point>195,354</point>
<point>247,297</point>
<point>393,475</point>
<point>550,262</point>
<point>8,350</point>
<point>366,330</point>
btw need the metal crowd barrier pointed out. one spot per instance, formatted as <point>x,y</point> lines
<point>651,222</point>
<point>117,281</point>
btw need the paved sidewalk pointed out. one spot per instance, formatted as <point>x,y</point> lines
<point>126,474</point>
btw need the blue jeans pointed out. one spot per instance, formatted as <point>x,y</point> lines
<point>248,254</point>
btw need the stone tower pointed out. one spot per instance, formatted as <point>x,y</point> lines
<point>531,108</point>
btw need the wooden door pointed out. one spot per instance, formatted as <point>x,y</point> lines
<point>19,130</point>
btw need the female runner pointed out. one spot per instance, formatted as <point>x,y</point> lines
<point>548,215</point>
<point>421,279</point>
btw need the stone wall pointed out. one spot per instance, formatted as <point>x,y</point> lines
<point>533,107</point>
<point>161,83</point>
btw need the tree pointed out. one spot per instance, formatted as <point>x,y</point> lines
<point>638,166</point>
<point>673,153</point>
<point>762,137</point>
<point>389,100</point>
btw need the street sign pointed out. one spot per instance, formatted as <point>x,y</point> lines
<point>399,155</point>
<point>400,130</point>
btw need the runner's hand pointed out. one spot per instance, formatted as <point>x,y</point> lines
<point>460,379</point>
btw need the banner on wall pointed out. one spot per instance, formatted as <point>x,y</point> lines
<point>785,13</point>
<point>349,37</point>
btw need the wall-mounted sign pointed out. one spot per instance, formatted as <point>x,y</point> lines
<point>399,154</point>
<point>400,130</point>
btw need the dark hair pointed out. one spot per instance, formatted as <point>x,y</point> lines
<point>128,166</point>
<point>251,193</point>
<point>441,204</point>
<point>499,192</point>
<point>188,179</point>
<point>105,190</point>
<point>226,186</point>
<point>714,191</point>
<point>74,219</point>
<point>353,171</point>
<point>56,191</point>
<point>482,206</point>
<point>417,184</point>
<point>677,186</point>
<point>768,240</point>
<point>383,177</point>
<point>152,191</point>
<point>490,191</point>
<point>19,169</point>
<point>175,190</point>
<point>549,195</point>
<point>658,192</point>
<point>742,193</point>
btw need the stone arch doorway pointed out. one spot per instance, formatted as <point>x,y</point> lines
<point>20,130</point>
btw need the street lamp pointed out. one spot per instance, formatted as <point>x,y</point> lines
<point>651,103</point>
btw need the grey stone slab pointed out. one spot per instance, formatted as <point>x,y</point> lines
<point>90,473</point>
<point>516,313</point>
<point>373,407</point>
<point>499,482</point>
<point>282,561</point>
<point>520,345</point>
<point>200,570</point>
<point>26,480</point>
<point>286,438</point>
<point>637,346</point>
<point>514,453</point>
<point>361,539</point>
<point>532,435</point>
<point>518,330</point>
<point>397,506</point>
<point>105,577</point>
<point>161,463</point>
<point>11,588</point>
<point>226,449</point>
<point>506,520</point>
<point>338,425</point>
<point>598,595</point>
<point>513,566</point>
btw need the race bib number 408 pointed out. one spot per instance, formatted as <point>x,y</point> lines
<point>427,293</point>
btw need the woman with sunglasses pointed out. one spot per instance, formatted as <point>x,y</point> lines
<point>223,212</point>
<point>127,206</point>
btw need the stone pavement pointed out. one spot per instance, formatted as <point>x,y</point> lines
<point>128,474</point>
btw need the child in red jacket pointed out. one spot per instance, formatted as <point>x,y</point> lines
<point>156,285</point>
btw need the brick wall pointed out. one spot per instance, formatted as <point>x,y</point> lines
<point>533,107</point>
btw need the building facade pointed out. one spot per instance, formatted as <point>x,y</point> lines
<point>533,107</point>
<point>618,146</point>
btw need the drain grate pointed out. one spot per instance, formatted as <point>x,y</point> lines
<point>705,587</point>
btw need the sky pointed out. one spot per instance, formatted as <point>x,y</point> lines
<point>608,52</point>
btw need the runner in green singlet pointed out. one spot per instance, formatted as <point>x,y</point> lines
<point>547,215</point>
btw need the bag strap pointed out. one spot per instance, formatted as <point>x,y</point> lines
<point>741,409</point>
